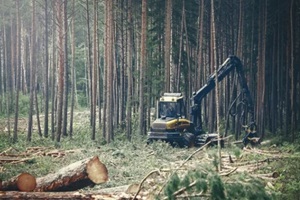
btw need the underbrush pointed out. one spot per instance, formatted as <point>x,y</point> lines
<point>129,162</point>
<point>126,161</point>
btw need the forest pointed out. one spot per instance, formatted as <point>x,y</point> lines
<point>98,67</point>
<point>116,60</point>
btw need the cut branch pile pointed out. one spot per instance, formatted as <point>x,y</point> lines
<point>37,151</point>
<point>230,165</point>
<point>12,156</point>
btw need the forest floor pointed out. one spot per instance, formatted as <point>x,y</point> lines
<point>147,171</point>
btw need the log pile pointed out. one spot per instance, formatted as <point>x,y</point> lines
<point>72,177</point>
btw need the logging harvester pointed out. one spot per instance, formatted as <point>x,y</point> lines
<point>171,124</point>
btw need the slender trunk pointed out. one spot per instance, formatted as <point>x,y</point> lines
<point>18,50</point>
<point>142,116</point>
<point>37,112</point>
<point>72,69</point>
<point>60,68</point>
<point>200,45</point>
<point>32,74</point>
<point>90,78</point>
<point>94,77</point>
<point>293,96</point>
<point>109,67</point>
<point>214,63</point>
<point>129,71</point>
<point>7,88</point>
<point>53,86</point>
<point>46,102</point>
<point>178,72</point>
<point>168,44</point>
<point>66,72</point>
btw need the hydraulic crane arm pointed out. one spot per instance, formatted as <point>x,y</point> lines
<point>232,63</point>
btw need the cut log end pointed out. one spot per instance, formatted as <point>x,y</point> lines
<point>26,182</point>
<point>97,171</point>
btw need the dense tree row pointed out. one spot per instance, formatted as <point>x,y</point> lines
<point>116,57</point>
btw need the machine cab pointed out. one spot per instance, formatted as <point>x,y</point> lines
<point>171,105</point>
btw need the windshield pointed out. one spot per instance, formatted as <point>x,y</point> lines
<point>168,109</point>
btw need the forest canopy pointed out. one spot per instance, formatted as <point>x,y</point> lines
<point>116,58</point>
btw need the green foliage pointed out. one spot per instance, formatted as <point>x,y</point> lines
<point>244,187</point>
<point>237,152</point>
<point>24,101</point>
<point>173,186</point>
<point>217,188</point>
<point>288,183</point>
<point>211,184</point>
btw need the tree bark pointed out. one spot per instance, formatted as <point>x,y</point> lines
<point>74,176</point>
<point>73,75</point>
<point>110,72</point>
<point>168,44</point>
<point>94,77</point>
<point>60,92</point>
<point>22,182</point>
<point>53,85</point>
<point>66,72</point>
<point>18,55</point>
<point>46,100</point>
<point>32,74</point>
<point>87,195</point>
<point>129,71</point>
<point>142,116</point>
<point>215,64</point>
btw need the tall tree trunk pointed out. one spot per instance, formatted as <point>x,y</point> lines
<point>66,71</point>
<point>129,71</point>
<point>200,45</point>
<point>1,78</point>
<point>90,77</point>
<point>167,52</point>
<point>32,73</point>
<point>261,67</point>
<point>94,77</point>
<point>293,96</point>
<point>18,53</point>
<point>72,69</point>
<point>142,116</point>
<point>109,67</point>
<point>46,100</point>
<point>214,63</point>
<point>12,55</point>
<point>122,91</point>
<point>53,86</point>
<point>240,31</point>
<point>60,67</point>
<point>37,111</point>
<point>8,80</point>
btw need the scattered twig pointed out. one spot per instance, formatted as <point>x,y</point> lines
<point>144,179</point>
<point>228,173</point>
<point>182,190</point>
<point>190,156</point>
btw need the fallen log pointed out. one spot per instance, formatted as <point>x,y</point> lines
<point>23,182</point>
<point>75,176</point>
<point>72,177</point>
<point>15,195</point>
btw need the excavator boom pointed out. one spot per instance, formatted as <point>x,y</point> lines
<point>230,64</point>
<point>171,124</point>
